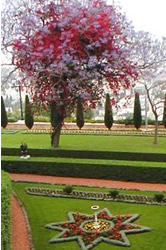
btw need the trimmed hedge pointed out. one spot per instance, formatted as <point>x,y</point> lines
<point>83,154</point>
<point>5,208</point>
<point>97,171</point>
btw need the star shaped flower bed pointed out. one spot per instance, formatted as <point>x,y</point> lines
<point>112,229</point>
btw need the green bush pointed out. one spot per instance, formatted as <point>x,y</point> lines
<point>12,119</point>
<point>79,113</point>
<point>68,189</point>
<point>159,197</point>
<point>41,118</point>
<point>83,154</point>
<point>128,121</point>
<point>4,119</point>
<point>108,116</point>
<point>29,120</point>
<point>152,122</point>
<point>137,117</point>
<point>70,119</point>
<point>83,170</point>
<point>113,193</point>
<point>5,211</point>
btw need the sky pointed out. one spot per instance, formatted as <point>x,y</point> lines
<point>147,15</point>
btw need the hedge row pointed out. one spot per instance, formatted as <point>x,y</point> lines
<point>5,211</point>
<point>97,171</point>
<point>96,132</point>
<point>83,154</point>
<point>141,199</point>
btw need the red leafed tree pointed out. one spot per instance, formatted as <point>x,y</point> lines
<point>72,48</point>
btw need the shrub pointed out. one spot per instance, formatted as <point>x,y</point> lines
<point>85,154</point>
<point>137,112</point>
<point>41,118</point>
<point>4,120</point>
<point>12,119</point>
<point>128,121</point>
<point>79,113</point>
<point>68,189</point>
<point>28,113</point>
<point>108,117</point>
<point>5,211</point>
<point>159,197</point>
<point>83,170</point>
<point>113,193</point>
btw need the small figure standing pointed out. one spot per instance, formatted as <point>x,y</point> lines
<point>24,151</point>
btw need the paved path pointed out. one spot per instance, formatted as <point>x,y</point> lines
<point>88,182</point>
<point>19,234</point>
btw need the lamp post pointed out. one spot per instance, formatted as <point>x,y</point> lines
<point>146,111</point>
<point>21,108</point>
<point>20,99</point>
<point>95,208</point>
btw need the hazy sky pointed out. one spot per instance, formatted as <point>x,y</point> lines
<point>147,15</point>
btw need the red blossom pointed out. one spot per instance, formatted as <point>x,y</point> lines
<point>73,55</point>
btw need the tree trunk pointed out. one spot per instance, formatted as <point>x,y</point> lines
<point>55,136</point>
<point>156,131</point>
<point>57,118</point>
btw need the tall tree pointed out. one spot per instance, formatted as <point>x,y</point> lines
<point>79,113</point>
<point>151,61</point>
<point>66,49</point>
<point>108,116</point>
<point>137,117</point>
<point>4,120</point>
<point>29,121</point>
<point>164,113</point>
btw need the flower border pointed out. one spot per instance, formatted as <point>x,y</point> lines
<point>58,193</point>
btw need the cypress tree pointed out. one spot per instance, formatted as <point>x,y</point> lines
<point>79,113</point>
<point>164,113</point>
<point>28,113</point>
<point>108,117</point>
<point>4,120</point>
<point>137,118</point>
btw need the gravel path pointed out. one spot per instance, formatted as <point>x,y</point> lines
<point>88,182</point>
<point>19,234</point>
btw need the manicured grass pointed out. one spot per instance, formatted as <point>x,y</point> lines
<point>87,161</point>
<point>43,210</point>
<point>88,142</point>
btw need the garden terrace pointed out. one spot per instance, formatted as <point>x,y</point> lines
<point>154,172</point>
<point>85,154</point>
<point>43,210</point>
<point>87,142</point>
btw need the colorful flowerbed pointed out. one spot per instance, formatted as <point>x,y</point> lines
<point>113,229</point>
<point>141,199</point>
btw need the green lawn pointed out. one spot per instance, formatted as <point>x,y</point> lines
<point>43,210</point>
<point>87,161</point>
<point>88,142</point>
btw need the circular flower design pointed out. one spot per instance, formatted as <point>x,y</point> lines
<point>90,226</point>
